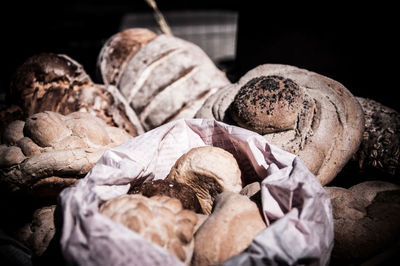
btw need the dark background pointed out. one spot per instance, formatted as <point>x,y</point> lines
<point>355,45</point>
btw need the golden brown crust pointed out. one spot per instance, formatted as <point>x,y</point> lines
<point>49,151</point>
<point>230,228</point>
<point>208,171</point>
<point>160,219</point>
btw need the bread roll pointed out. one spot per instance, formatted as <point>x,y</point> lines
<point>366,220</point>
<point>49,151</point>
<point>208,171</point>
<point>163,70</point>
<point>300,111</point>
<point>229,230</point>
<point>55,82</point>
<point>159,219</point>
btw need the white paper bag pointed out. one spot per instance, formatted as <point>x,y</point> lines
<point>295,205</point>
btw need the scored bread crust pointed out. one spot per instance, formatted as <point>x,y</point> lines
<point>329,126</point>
<point>168,72</point>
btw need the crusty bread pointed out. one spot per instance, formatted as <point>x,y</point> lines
<point>159,219</point>
<point>366,219</point>
<point>229,230</point>
<point>49,151</point>
<point>280,99</point>
<point>379,152</point>
<point>170,188</point>
<point>38,233</point>
<point>322,122</point>
<point>118,50</point>
<point>162,71</point>
<point>56,82</point>
<point>208,171</point>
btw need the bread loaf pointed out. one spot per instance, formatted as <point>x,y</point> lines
<point>379,152</point>
<point>169,188</point>
<point>49,151</point>
<point>38,233</point>
<point>208,171</point>
<point>159,70</point>
<point>159,219</point>
<point>300,111</point>
<point>55,82</point>
<point>366,220</point>
<point>229,230</point>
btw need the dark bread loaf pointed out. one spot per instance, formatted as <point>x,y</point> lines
<point>159,71</point>
<point>366,220</point>
<point>169,188</point>
<point>38,233</point>
<point>55,82</point>
<point>300,111</point>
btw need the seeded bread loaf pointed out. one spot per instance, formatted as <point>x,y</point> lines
<point>300,111</point>
<point>159,70</point>
<point>56,82</point>
<point>379,152</point>
<point>49,151</point>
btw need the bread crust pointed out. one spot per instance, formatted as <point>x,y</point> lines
<point>328,128</point>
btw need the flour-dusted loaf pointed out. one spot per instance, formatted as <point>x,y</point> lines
<point>300,111</point>
<point>56,82</point>
<point>159,219</point>
<point>49,151</point>
<point>229,230</point>
<point>163,77</point>
<point>208,171</point>
<point>366,220</point>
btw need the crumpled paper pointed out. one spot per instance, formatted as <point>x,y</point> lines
<point>295,205</point>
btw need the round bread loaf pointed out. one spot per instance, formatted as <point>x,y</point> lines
<point>162,70</point>
<point>49,151</point>
<point>55,82</point>
<point>300,111</point>
<point>159,219</point>
<point>208,171</point>
<point>229,230</point>
<point>366,220</point>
